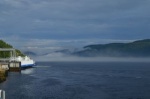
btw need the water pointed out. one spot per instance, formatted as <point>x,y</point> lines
<point>80,80</point>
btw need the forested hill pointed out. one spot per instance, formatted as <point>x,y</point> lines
<point>140,48</point>
<point>3,44</point>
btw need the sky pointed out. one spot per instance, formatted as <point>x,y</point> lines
<point>58,24</point>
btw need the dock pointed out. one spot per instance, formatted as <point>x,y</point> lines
<point>8,64</point>
<point>6,67</point>
<point>14,66</point>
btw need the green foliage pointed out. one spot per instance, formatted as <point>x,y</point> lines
<point>137,48</point>
<point>4,44</point>
<point>18,52</point>
<point>6,54</point>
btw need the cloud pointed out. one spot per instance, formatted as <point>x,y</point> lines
<point>45,26</point>
<point>58,24</point>
<point>43,46</point>
<point>58,57</point>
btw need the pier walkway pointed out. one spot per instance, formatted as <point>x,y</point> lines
<point>12,52</point>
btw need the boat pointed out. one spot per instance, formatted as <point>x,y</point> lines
<point>25,61</point>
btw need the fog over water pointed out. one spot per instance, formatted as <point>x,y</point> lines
<point>62,57</point>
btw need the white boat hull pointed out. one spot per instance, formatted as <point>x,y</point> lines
<point>28,63</point>
<point>25,61</point>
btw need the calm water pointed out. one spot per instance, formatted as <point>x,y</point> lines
<point>80,80</point>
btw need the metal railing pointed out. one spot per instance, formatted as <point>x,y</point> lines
<point>12,53</point>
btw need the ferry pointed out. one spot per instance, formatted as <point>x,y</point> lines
<point>25,61</point>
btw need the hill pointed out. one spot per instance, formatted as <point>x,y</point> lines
<point>3,44</point>
<point>30,53</point>
<point>140,48</point>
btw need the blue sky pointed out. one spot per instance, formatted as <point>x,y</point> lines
<point>54,24</point>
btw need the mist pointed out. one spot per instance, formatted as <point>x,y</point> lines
<point>58,57</point>
<point>136,51</point>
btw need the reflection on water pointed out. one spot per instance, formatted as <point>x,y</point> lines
<point>27,71</point>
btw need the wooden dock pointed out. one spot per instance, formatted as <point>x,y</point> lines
<point>6,67</point>
<point>11,66</point>
<point>15,66</point>
<point>8,64</point>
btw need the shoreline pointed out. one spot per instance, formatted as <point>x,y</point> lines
<point>3,75</point>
